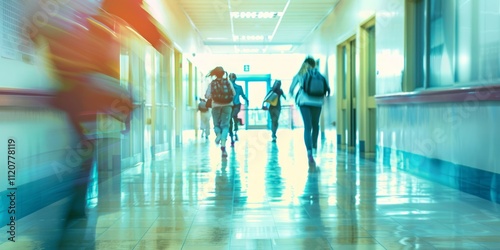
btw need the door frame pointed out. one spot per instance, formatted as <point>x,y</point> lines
<point>367,105</point>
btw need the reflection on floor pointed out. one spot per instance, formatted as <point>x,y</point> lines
<point>263,196</point>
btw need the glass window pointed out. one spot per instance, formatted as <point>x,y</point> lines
<point>488,15</point>
<point>441,51</point>
<point>463,45</point>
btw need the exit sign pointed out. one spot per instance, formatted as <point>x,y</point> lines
<point>246,68</point>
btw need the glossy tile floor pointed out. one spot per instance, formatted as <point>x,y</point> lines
<point>264,196</point>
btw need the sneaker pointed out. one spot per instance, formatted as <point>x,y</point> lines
<point>232,144</point>
<point>274,138</point>
<point>224,153</point>
<point>217,140</point>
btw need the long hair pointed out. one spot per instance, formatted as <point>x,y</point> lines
<point>309,62</point>
<point>303,68</point>
<point>217,71</point>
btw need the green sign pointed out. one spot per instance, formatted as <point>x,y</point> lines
<point>246,68</point>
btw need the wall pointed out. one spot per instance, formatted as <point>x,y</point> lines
<point>177,26</point>
<point>450,139</point>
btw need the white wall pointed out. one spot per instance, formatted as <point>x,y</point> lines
<point>462,133</point>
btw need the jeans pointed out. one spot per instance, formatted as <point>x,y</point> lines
<point>221,116</point>
<point>310,116</point>
<point>234,122</point>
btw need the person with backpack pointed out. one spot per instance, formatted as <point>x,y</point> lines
<point>221,92</point>
<point>204,118</point>
<point>234,121</point>
<point>313,87</point>
<point>275,107</point>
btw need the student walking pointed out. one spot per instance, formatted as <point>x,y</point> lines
<point>204,118</point>
<point>275,107</point>
<point>221,92</point>
<point>235,121</point>
<point>310,98</point>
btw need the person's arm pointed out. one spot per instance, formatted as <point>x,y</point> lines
<point>244,96</point>
<point>327,87</point>
<point>283,94</point>
<point>232,89</point>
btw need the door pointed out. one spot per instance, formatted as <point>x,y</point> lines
<point>256,88</point>
<point>347,127</point>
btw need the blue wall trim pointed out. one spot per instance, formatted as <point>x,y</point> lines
<point>474,181</point>
<point>33,196</point>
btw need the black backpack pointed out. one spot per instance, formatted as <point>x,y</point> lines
<point>315,83</point>
<point>220,90</point>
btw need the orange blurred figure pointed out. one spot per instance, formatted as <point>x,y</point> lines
<point>82,45</point>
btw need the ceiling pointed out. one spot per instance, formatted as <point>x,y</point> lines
<point>231,26</point>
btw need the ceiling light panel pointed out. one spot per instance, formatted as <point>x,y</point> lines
<point>256,14</point>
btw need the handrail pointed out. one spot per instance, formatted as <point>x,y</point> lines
<point>25,98</point>
<point>475,93</point>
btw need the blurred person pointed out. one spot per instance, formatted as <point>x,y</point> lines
<point>221,92</point>
<point>82,44</point>
<point>235,121</point>
<point>310,105</point>
<point>274,99</point>
<point>204,118</point>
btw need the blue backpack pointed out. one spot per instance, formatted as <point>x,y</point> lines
<point>314,83</point>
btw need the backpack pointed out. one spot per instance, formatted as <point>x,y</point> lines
<point>221,91</point>
<point>202,106</point>
<point>315,83</point>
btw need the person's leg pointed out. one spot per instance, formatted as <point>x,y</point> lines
<point>274,112</point>
<point>205,124</point>
<point>202,124</point>
<point>216,116</point>
<point>224,126</point>
<point>231,125</point>
<point>236,111</point>
<point>315,114</point>
<point>86,149</point>
<point>307,118</point>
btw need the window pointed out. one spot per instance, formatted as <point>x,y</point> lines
<point>458,41</point>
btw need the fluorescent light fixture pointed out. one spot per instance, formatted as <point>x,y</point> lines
<point>249,38</point>
<point>216,38</point>
<point>256,14</point>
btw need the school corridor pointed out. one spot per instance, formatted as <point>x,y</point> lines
<point>264,196</point>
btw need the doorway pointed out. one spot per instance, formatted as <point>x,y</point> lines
<point>256,88</point>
